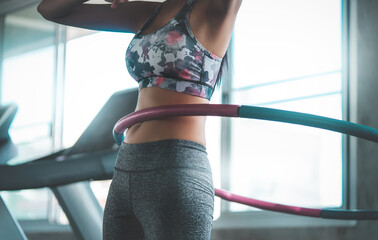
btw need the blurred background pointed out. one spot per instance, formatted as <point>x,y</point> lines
<point>311,56</point>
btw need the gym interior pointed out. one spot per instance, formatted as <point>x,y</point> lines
<point>62,90</point>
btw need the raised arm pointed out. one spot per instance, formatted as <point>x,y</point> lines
<point>214,23</point>
<point>225,6</point>
<point>127,17</point>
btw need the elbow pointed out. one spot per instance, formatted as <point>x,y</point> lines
<point>47,12</point>
<point>43,11</point>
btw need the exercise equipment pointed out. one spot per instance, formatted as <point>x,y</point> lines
<point>67,172</point>
<point>9,227</point>
<point>261,113</point>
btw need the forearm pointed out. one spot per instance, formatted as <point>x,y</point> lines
<point>50,9</point>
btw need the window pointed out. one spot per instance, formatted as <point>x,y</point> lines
<point>287,55</point>
<point>28,70</point>
<point>95,68</point>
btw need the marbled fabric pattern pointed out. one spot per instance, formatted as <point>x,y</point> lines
<point>172,58</point>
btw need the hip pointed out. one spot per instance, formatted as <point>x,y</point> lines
<point>186,128</point>
<point>163,154</point>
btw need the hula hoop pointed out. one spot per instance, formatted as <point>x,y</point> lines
<point>250,112</point>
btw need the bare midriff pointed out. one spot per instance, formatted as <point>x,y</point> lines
<point>188,128</point>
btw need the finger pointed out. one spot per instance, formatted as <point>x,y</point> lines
<point>114,3</point>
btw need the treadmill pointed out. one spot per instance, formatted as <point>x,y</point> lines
<point>67,172</point>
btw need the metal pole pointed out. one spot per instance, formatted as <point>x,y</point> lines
<point>9,226</point>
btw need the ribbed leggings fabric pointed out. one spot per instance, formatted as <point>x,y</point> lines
<point>160,190</point>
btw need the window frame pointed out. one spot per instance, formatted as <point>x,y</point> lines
<point>267,219</point>
<point>9,7</point>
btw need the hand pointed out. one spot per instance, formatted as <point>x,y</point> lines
<point>116,2</point>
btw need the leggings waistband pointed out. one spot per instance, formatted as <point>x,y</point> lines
<point>171,153</point>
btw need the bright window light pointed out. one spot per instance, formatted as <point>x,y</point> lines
<point>95,69</point>
<point>288,56</point>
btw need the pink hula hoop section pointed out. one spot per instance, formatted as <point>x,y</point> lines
<point>225,110</point>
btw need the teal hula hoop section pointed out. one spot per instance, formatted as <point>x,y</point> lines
<point>310,120</point>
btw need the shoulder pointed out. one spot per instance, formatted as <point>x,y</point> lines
<point>135,13</point>
<point>213,22</point>
<point>140,12</point>
<point>216,13</point>
<point>222,8</point>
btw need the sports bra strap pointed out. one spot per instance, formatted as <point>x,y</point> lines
<point>182,14</point>
<point>191,3</point>
<point>155,12</point>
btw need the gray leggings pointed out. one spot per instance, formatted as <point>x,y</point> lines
<point>160,190</point>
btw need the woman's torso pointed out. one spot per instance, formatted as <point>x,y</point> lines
<point>188,128</point>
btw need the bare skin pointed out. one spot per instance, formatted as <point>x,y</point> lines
<point>212,23</point>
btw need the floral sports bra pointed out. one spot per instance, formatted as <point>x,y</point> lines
<point>172,58</point>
